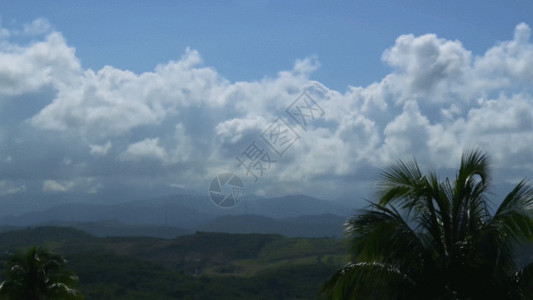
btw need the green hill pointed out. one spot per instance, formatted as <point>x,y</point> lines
<point>199,266</point>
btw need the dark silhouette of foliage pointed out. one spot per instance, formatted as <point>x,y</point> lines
<point>37,274</point>
<point>432,238</point>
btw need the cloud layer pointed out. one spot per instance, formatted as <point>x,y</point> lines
<point>73,129</point>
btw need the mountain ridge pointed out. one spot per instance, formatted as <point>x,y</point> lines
<point>293,215</point>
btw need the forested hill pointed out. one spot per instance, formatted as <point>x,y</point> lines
<point>203,265</point>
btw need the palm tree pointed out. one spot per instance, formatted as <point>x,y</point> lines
<point>37,274</point>
<point>427,238</point>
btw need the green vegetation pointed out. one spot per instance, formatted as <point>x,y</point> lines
<point>199,266</point>
<point>37,274</point>
<point>425,238</point>
<point>428,238</point>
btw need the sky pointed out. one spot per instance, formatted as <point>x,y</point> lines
<point>294,97</point>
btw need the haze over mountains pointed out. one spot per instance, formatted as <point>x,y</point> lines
<point>170,216</point>
<point>172,212</point>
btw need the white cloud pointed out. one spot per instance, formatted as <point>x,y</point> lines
<point>111,102</point>
<point>145,149</point>
<point>37,27</point>
<point>406,133</point>
<point>427,66</point>
<point>100,150</point>
<point>180,149</point>
<point>232,131</point>
<point>8,188</point>
<point>437,99</point>
<point>53,186</point>
<point>27,69</point>
<point>507,65</point>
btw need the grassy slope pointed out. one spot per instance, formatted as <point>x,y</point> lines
<point>199,266</point>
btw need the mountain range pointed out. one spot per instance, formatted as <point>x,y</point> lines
<point>174,215</point>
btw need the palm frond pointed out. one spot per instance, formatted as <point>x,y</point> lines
<point>401,181</point>
<point>512,218</point>
<point>38,274</point>
<point>523,279</point>
<point>381,233</point>
<point>468,202</point>
<point>426,238</point>
<point>368,281</point>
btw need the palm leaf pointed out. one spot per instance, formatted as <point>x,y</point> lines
<point>368,281</point>
<point>427,238</point>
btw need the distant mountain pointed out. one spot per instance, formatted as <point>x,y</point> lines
<point>114,228</point>
<point>174,215</point>
<point>170,215</point>
<point>296,205</point>
<point>278,207</point>
<point>326,225</point>
<point>35,200</point>
<point>24,237</point>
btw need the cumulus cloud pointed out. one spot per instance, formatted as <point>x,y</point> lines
<point>507,65</point>
<point>111,102</point>
<point>52,186</point>
<point>427,66</point>
<point>9,188</point>
<point>37,27</point>
<point>100,150</point>
<point>28,69</point>
<point>184,122</point>
<point>151,149</point>
<point>83,185</point>
<point>145,149</point>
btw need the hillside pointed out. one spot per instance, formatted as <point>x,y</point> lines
<point>199,266</point>
<point>302,226</point>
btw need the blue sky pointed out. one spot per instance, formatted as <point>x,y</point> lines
<point>163,96</point>
<point>247,40</point>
